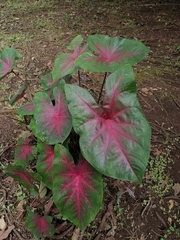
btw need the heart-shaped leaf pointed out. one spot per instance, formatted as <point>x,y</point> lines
<point>64,63</point>
<point>39,226</point>
<point>45,163</point>
<point>24,177</point>
<point>109,52</point>
<point>53,122</point>
<point>77,189</point>
<point>8,57</point>
<point>114,137</point>
<point>24,152</point>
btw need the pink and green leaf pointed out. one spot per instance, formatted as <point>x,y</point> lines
<point>24,177</point>
<point>26,109</point>
<point>77,189</point>
<point>45,163</point>
<point>24,152</point>
<point>64,63</point>
<point>8,57</point>
<point>47,81</point>
<point>109,52</point>
<point>39,226</point>
<point>53,121</point>
<point>33,127</point>
<point>114,137</point>
<point>19,94</point>
<point>76,42</point>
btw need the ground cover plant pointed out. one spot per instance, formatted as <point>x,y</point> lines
<point>75,139</point>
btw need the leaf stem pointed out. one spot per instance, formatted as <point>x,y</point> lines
<point>79,77</point>
<point>22,80</point>
<point>100,94</point>
<point>25,82</point>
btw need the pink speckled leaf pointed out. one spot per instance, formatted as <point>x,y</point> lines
<point>77,189</point>
<point>8,57</point>
<point>64,63</point>
<point>53,121</point>
<point>39,226</point>
<point>114,137</point>
<point>108,53</point>
<point>24,152</point>
<point>26,109</point>
<point>24,177</point>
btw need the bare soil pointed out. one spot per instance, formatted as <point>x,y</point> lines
<point>40,30</point>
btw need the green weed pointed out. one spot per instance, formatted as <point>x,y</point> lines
<point>162,182</point>
<point>171,230</point>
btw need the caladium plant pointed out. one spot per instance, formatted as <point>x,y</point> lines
<point>75,138</point>
<point>8,57</point>
<point>40,226</point>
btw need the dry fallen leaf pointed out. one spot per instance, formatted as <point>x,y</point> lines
<point>5,234</point>
<point>163,183</point>
<point>3,224</point>
<point>145,91</point>
<point>24,134</point>
<point>76,234</point>
<point>47,207</point>
<point>20,206</point>
<point>142,237</point>
<point>170,220</point>
<point>171,204</point>
<point>176,188</point>
<point>157,152</point>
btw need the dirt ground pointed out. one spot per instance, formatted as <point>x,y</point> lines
<point>40,30</point>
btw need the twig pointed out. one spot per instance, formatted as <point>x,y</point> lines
<point>172,197</point>
<point>161,219</point>
<point>146,207</point>
<point>177,103</point>
<point>145,101</point>
<point>98,236</point>
<point>63,234</point>
<point>157,233</point>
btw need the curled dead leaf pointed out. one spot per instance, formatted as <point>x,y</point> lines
<point>76,234</point>
<point>5,234</point>
<point>171,204</point>
<point>145,91</point>
<point>20,206</point>
<point>170,220</point>
<point>3,224</point>
<point>176,188</point>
